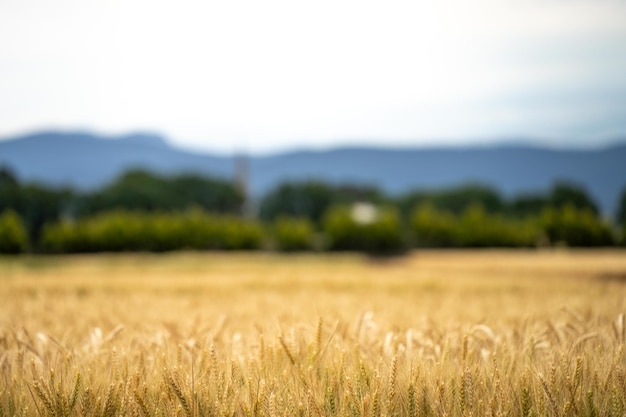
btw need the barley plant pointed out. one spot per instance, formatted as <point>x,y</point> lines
<point>431,334</point>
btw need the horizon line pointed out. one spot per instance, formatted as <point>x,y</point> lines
<point>533,142</point>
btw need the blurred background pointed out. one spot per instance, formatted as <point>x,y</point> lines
<point>339,125</point>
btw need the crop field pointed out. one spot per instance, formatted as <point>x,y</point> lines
<point>435,333</point>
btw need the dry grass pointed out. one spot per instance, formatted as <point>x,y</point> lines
<point>436,333</point>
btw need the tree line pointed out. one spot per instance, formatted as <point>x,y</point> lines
<point>144,211</point>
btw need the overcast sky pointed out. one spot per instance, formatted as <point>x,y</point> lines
<point>259,76</point>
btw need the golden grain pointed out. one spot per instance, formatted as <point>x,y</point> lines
<point>435,333</point>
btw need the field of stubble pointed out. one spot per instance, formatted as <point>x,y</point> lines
<point>485,333</point>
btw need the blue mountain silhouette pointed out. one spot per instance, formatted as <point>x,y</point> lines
<point>86,161</point>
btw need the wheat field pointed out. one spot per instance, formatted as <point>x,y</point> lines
<point>435,333</point>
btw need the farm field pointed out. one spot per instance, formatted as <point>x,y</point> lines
<point>482,333</point>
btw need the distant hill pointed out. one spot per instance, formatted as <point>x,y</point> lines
<point>87,161</point>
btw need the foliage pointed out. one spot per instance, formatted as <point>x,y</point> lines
<point>381,235</point>
<point>311,199</point>
<point>351,193</point>
<point>13,236</point>
<point>458,200</point>
<point>308,199</point>
<point>620,215</point>
<point>433,228</point>
<point>568,194</point>
<point>8,185</point>
<point>471,215</point>
<point>474,228</point>
<point>43,205</point>
<point>37,204</point>
<point>572,226</point>
<point>133,231</point>
<point>293,234</point>
<point>454,200</point>
<point>477,229</point>
<point>528,205</point>
<point>145,191</point>
<point>560,195</point>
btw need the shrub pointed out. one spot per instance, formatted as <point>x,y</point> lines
<point>575,227</point>
<point>474,228</point>
<point>139,190</point>
<point>620,214</point>
<point>308,199</point>
<point>478,229</point>
<point>311,199</point>
<point>238,234</point>
<point>13,235</point>
<point>453,200</point>
<point>432,228</point>
<point>379,234</point>
<point>132,231</point>
<point>293,234</point>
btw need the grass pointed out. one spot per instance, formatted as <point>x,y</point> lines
<point>456,333</point>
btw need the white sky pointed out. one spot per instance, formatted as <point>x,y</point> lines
<point>260,76</point>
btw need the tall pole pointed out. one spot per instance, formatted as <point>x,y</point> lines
<point>241,183</point>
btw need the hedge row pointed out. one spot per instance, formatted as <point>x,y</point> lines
<point>364,228</point>
<point>360,227</point>
<point>13,236</point>
<point>127,231</point>
<point>566,226</point>
<point>291,234</point>
<point>573,227</point>
<point>474,228</point>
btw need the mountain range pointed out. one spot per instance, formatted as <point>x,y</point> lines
<point>87,161</point>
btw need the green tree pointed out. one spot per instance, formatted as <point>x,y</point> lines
<point>308,199</point>
<point>569,194</point>
<point>10,197</point>
<point>478,229</point>
<point>311,199</point>
<point>293,234</point>
<point>7,177</point>
<point>13,236</point>
<point>458,200</point>
<point>474,228</point>
<point>210,194</point>
<point>572,226</point>
<point>454,200</point>
<point>118,231</point>
<point>135,190</point>
<point>36,204</point>
<point>351,193</point>
<point>140,190</point>
<point>41,205</point>
<point>528,205</point>
<point>378,233</point>
<point>434,228</point>
<point>620,215</point>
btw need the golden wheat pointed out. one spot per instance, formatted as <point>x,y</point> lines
<point>436,333</point>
